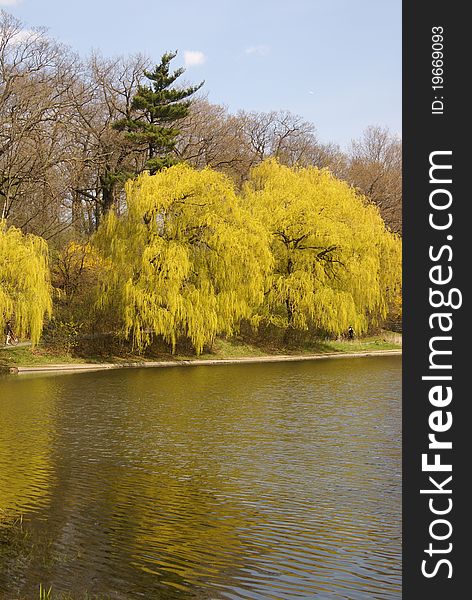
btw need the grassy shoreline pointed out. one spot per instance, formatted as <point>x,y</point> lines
<point>223,349</point>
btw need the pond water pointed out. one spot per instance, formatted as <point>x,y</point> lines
<point>261,481</point>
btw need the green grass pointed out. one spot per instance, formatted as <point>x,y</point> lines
<point>44,594</point>
<point>236,348</point>
<point>27,356</point>
<point>17,549</point>
<point>363,345</point>
<point>222,348</point>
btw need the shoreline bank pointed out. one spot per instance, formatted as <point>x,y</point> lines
<point>82,367</point>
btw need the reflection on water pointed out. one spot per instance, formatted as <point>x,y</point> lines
<point>252,481</point>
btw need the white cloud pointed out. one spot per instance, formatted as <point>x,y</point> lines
<point>9,2</point>
<point>193,58</point>
<point>24,35</point>
<point>260,50</point>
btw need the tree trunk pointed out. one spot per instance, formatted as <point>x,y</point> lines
<point>108,198</point>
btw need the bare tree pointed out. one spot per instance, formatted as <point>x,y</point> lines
<point>211,136</point>
<point>375,168</point>
<point>63,161</point>
<point>105,158</point>
<point>36,78</point>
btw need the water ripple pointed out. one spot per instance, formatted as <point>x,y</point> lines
<point>259,481</point>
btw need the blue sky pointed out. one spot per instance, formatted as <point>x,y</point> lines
<point>337,63</point>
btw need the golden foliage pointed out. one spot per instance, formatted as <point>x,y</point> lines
<point>25,290</point>
<point>336,265</point>
<point>76,269</point>
<point>188,259</point>
<point>298,247</point>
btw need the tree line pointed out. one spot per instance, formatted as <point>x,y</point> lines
<point>73,130</point>
<point>80,137</point>
<point>193,256</point>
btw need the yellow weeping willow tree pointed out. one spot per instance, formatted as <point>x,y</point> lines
<point>188,260</point>
<point>25,289</point>
<point>336,265</point>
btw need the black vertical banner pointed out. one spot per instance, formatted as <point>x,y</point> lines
<point>437,430</point>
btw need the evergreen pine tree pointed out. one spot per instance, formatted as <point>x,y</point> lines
<point>156,109</point>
